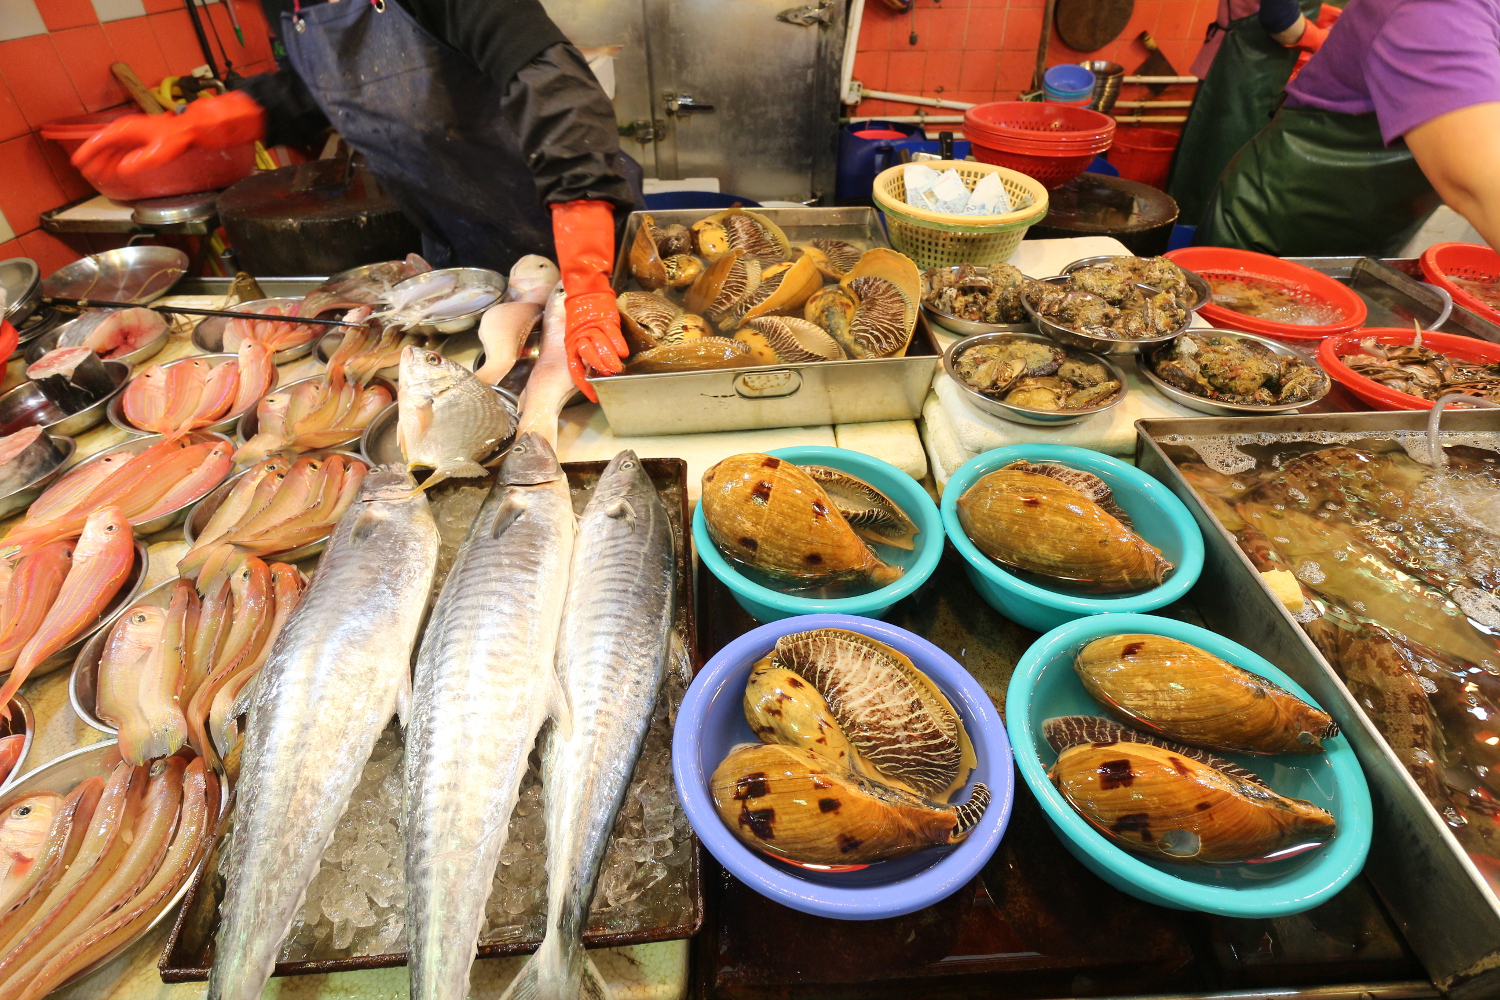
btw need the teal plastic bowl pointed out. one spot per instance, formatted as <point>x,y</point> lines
<point>1160,518</point>
<point>767,605</point>
<point>1045,685</point>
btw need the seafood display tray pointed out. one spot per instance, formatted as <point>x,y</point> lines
<point>796,395</point>
<point>1447,911</point>
<point>1395,294</point>
<point>189,948</point>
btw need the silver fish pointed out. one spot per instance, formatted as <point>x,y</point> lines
<point>447,419</point>
<point>337,672</point>
<point>486,681</point>
<point>615,638</point>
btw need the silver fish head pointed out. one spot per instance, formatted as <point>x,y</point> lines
<point>530,461</point>
<point>387,482</point>
<point>428,373</point>
<point>622,478</point>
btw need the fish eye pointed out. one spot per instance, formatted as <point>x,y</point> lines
<point>434,359</point>
<point>22,811</point>
<point>627,465</point>
<point>110,527</point>
<point>138,617</point>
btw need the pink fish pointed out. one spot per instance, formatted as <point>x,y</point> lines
<point>145,399</point>
<point>502,330</point>
<point>102,560</point>
<point>257,375</point>
<point>185,381</point>
<point>219,388</point>
<point>33,588</point>
<point>65,494</point>
<point>550,386</point>
<point>200,480</point>
<point>10,754</point>
<point>135,693</point>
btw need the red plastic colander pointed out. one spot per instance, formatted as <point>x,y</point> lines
<point>1333,350</point>
<point>1314,289</point>
<point>1442,262</point>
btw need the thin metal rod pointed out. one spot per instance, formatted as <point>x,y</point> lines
<point>1153,104</point>
<point>186,311</point>
<point>847,94</point>
<point>931,102</point>
<point>1159,79</point>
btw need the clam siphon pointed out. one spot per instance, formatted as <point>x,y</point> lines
<point>767,514</point>
<point>795,804</point>
<point>1038,523</point>
<point>903,727</point>
<point>1176,690</point>
<point>1173,807</point>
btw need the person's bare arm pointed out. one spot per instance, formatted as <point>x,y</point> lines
<point>1458,152</point>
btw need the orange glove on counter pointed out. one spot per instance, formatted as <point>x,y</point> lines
<point>584,232</point>
<point>138,143</point>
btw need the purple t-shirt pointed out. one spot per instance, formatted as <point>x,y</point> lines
<point>1409,61</point>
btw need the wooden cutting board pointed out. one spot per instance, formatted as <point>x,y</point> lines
<point>1089,25</point>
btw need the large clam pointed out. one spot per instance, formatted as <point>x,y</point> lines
<point>889,710</point>
<point>777,339</point>
<point>698,354</point>
<point>831,307</point>
<point>661,258</point>
<point>887,289</point>
<point>794,285</point>
<point>784,707</point>
<point>767,514</point>
<point>730,279</point>
<point>1181,692</point>
<point>1042,525</point>
<point>737,229</point>
<point>1065,731</point>
<point>795,804</point>
<point>645,318</point>
<point>874,516</point>
<point>1175,808</point>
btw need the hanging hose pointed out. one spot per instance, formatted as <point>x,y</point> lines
<point>1435,454</point>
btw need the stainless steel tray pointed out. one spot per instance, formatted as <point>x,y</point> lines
<point>1444,907</point>
<point>1395,295</point>
<point>823,392</point>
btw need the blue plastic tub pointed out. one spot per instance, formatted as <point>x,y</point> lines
<point>1068,79</point>
<point>1045,685</point>
<point>765,605</point>
<point>861,159</point>
<point>711,721</point>
<point>1160,518</point>
<point>666,201</point>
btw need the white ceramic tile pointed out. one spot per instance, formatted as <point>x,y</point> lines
<point>20,19</point>
<point>117,10</point>
<point>6,233</point>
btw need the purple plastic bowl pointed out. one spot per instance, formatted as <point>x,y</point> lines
<point>712,720</point>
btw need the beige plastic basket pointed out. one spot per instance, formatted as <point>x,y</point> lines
<point>940,239</point>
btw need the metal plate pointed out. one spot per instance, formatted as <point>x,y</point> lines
<point>47,340</point>
<point>1448,912</point>
<point>1087,341</point>
<point>23,288</point>
<point>116,408</point>
<point>1201,292</point>
<point>131,274</point>
<point>249,421</point>
<point>208,335</point>
<point>10,503</point>
<point>20,722</point>
<point>854,391</point>
<point>135,446</point>
<point>189,949</point>
<point>969,327</point>
<point>175,210</point>
<point>1203,404</point>
<point>1025,414</point>
<point>487,282</point>
<point>27,406</point>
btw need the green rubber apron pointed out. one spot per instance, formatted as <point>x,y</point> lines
<point>1318,184</point>
<point>1235,100</point>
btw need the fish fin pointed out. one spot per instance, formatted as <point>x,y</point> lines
<point>368,520</point>
<point>403,698</point>
<point>548,974</point>
<point>512,507</point>
<point>593,986</point>
<point>621,508</point>
<point>463,470</point>
<point>560,707</point>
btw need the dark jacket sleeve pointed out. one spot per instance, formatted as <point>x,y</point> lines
<point>566,127</point>
<point>292,116</point>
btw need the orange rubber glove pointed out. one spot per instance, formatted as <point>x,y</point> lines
<point>584,232</point>
<point>138,143</point>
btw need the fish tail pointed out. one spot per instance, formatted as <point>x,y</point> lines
<point>558,972</point>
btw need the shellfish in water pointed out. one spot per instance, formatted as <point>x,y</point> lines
<point>1183,693</point>
<point>795,340</point>
<point>771,516</point>
<point>783,707</point>
<point>832,308</point>
<point>646,317</point>
<point>887,287</point>
<point>691,356</point>
<point>1087,483</point>
<point>1039,524</point>
<point>645,256</point>
<point>1065,731</point>
<point>731,278</point>
<point>841,256</point>
<point>1175,808</point>
<point>890,712</point>
<point>873,515</point>
<point>795,804</point>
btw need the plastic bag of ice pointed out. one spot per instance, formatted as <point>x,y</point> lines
<point>919,183</point>
<point>989,197</point>
<point>951,193</point>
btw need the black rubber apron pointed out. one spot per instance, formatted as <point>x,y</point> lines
<point>1235,100</point>
<point>427,120</point>
<point>1318,184</point>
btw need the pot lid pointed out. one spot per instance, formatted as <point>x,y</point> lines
<point>178,208</point>
<point>21,279</point>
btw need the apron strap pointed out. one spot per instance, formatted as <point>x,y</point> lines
<point>379,6</point>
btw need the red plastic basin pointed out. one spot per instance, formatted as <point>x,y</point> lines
<point>1333,350</point>
<point>195,170</point>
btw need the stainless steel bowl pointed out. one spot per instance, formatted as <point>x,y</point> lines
<point>968,327</point>
<point>130,274</point>
<point>126,596</point>
<point>1025,414</point>
<point>21,722</point>
<point>62,775</point>
<point>135,446</point>
<point>23,497</point>
<point>116,409</point>
<point>1087,341</point>
<point>38,325</point>
<point>209,335</point>
<point>204,510</point>
<point>47,341</point>
<point>1205,405</point>
<point>468,277</point>
<point>22,282</point>
<point>250,421</point>
<point>1201,292</point>
<point>379,445</point>
<point>27,406</point>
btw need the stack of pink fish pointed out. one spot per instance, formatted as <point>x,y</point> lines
<point>58,591</point>
<point>191,394</point>
<point>318,413</point>
<point>278,336</point>
<point>145,485</point>
<point>275,507</point>
<point>83,873</point>
<point>365,350</point>
<point>10,754</point>
<point>173,675</point>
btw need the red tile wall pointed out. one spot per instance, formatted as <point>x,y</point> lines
<point>985,50</point>
<point>67,72</point>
